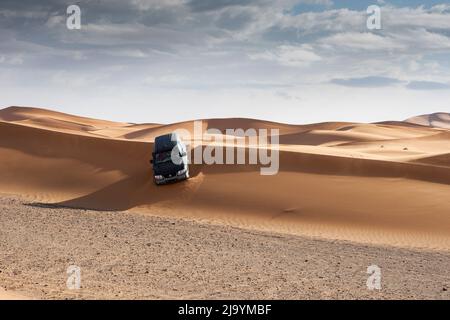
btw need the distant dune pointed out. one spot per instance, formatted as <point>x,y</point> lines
<point>435,120</point>
<point>384,183</point>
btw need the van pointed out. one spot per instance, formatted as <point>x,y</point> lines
<point>169,159</point>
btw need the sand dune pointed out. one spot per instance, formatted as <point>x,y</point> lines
<point>384,183</point>
<point>436,120</point>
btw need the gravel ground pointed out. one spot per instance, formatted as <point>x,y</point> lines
<point>132,256</point>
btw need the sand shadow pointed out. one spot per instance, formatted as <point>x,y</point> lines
<point>127,193</point>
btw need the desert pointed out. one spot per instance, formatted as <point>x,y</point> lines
<point>77,190</point>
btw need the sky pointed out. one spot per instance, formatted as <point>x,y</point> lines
<point>293,61</point>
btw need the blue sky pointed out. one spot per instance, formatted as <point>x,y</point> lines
<point>294,61</point>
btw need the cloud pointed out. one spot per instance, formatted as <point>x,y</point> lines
<point>378,82</point>
<point>293,56</point>
<point>367,82</point>
<point>165,80</point>
<point>234,19</point>
<point>207,5</point>
<point>423,40</point>
<point>437,17</point>
<point>11,60</point>
<point>318,2</point>
<point>440,8</point>
<point>427,85</point>
<point>365,41</point>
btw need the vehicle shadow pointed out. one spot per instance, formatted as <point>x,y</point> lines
<point>130,192</point>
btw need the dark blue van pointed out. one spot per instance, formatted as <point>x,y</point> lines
<point>170,162</point>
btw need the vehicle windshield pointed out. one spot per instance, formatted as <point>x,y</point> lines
<point>163,157</point>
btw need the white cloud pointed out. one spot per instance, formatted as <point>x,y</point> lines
<point>318,2</point>
<point>362,41</point>
<point>69,79</point>
<point>437,17</point>
<point>294,56</point>
<point>440,8</point>
<point>164,80</point>
<point>11,60</point>
<point>422,39</point>
<point>56,21</point>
